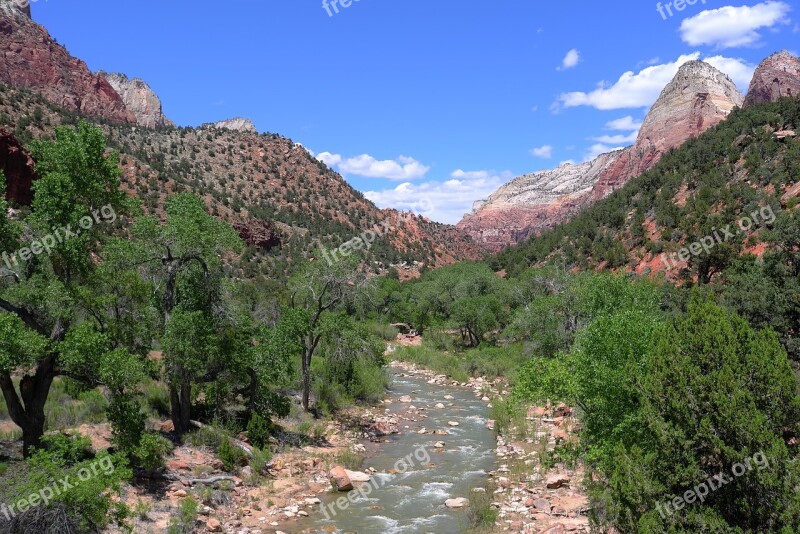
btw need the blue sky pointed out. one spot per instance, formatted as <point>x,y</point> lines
<point>426,105</point>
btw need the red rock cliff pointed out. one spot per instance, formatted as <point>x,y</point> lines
<point>30,58</point>
<point>776,77</point>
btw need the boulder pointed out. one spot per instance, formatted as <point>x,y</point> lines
<point>339,478</point>
<point>459,502</point>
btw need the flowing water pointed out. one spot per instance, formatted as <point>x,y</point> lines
<point>412,500</point>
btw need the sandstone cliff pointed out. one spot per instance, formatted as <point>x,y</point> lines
<point>775,77</point>
<point>30,58</point>
<point>237,124</point>
<point>533,202</point>
<point>697,98</point>
<point>140,99</point>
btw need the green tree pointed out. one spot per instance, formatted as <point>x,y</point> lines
<point>317,292</point>
<point>77,195</point>
<point>714,392</point>
<point>183,258</point>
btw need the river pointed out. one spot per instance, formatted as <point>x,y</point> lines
<point>412,500</point>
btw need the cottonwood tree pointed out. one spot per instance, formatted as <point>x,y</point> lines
<point>40,293</point>
<point>183,259</point>
<point>316,292</point>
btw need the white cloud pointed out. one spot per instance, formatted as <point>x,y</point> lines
<point>597,149</point>
<point>403,168</point>
<point>636,90</point>
<point>331,160</point>
<point>446,201</point>
<point>729,26</point>
<point>624,124</point>
<point>544,151</point>
<point>738,70</point>
<point>617,139</point>
<point>571,60</point>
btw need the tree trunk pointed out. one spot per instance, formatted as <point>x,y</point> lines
<point>27,409</point>
<point>306,380</point>
<point>180,407</point>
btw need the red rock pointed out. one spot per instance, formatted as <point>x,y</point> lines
<point>176,465</point>
<point>698,97</point>
<point>258,233</point>
<point>557,480</point>
<point>776,77</point>
<point>213,525</point>
<point>18,167</point>
<point>558,528</point>
<point>339,479</point>
<point>30,58</point>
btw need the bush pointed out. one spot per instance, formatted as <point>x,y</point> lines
<point>543,379</point>
<point>88,500</point>
<point>152,451</point>
<point>231,456</point>
<point>714,392</point>
<point>259,430</point>
<point>186,519</point>
<point>370,382</point>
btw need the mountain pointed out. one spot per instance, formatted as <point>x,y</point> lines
<point>140,99</point>
<point>533,202</point>
<point>30,58</point>
<point>282,200</point>
<point>238,124</point>
<point>697,98</point>
<point>777,76</point>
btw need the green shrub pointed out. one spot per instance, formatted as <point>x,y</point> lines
<point>152,451</point>
<point>184,522</point>
<point>543,379</point>
<point>93,481</point>
<point>259,430</point>
<point>370,382</point>
<point>714,393</point>
<point>231,456</point>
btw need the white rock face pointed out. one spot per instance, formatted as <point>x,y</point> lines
<point>140,99</point>
<point>544,187</point>
<point>238,124</point>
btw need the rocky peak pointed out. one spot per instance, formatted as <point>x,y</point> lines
<point>238,124</point>
<point>697,98</point>
<point>15,8</point>
<point>31,59</point>
<point>140,99</point>
<point>776,77</point>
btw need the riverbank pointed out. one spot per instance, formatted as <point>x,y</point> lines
<point>537,486</point>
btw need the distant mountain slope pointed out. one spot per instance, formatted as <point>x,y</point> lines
<point>281,198</point>
<point>283,201</point>
<point>697,98</point>
<point>702,205</point>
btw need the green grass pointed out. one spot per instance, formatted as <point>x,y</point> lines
<point>349,459</point>
<point>489,362</point>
